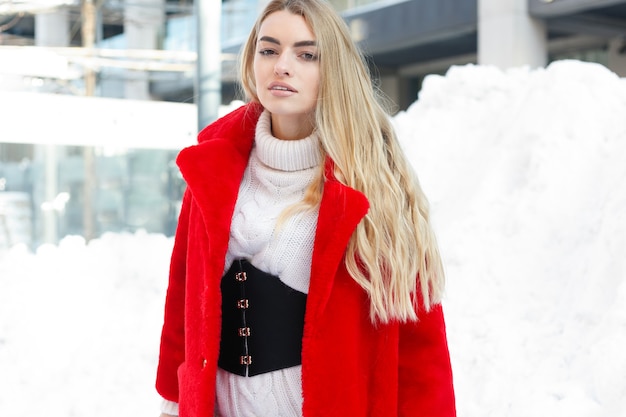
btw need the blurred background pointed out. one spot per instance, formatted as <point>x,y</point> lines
<point>98,96</point>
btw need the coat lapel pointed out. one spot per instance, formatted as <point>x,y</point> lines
<point>213,170</point>
<point>341,210</point>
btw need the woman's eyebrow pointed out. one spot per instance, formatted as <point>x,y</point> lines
<point>305,43</point>
<point>277,42</point>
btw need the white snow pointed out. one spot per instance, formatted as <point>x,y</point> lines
<point>526,174</point>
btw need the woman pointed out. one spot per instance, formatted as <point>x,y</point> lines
<point>305,278</point>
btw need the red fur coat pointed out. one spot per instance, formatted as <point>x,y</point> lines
<point>350,368</point>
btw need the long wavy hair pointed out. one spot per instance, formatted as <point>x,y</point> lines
<point>393,254</point>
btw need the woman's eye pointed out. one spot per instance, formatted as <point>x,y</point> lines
<point>266,52</point>
<point>307,56</point>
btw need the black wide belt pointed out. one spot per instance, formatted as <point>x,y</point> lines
<point>262,322</point>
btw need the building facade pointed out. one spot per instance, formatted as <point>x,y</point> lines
<point>146,50</point>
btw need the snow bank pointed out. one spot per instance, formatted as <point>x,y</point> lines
<point>526,175</point>
<point>80,326</point>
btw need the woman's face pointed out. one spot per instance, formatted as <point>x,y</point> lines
<point>287,72</point>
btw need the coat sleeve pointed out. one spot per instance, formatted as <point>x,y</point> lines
<point>425,386</point>
<point>172,350</point>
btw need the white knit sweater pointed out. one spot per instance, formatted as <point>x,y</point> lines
<point>276,177</point>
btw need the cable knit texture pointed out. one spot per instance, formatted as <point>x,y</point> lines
<point>277,175</point>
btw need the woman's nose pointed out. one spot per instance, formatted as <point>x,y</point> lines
<point>283,66</point>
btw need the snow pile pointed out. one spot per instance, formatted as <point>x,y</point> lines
<point>80,326</point>
<point>526,174</point>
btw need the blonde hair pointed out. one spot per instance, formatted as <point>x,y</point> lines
<point>393,254</point>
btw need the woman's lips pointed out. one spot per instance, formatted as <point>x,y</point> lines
<point>282,89</point>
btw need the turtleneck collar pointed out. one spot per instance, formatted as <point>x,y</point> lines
<point>285,155</point>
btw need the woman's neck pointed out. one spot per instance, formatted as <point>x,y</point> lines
<point>291,127</point>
